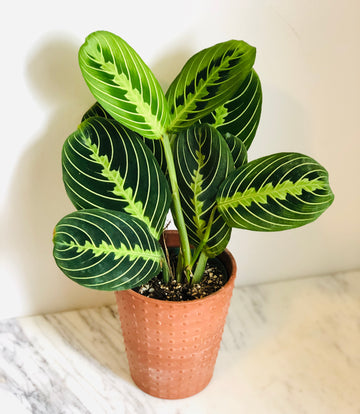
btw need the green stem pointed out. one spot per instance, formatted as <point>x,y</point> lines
<point>177,210</point>
<point>165,270</point>
<point>179,268</point>
<point>205,238</point>
<point>200,267</point>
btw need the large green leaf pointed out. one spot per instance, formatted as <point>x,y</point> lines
<point>240,115</point>
<point>276,192</point>
<point>207,81</point>
<point>107,166</point>
<point>202,162</point>
<point>123,84</point>
<point>106,250</point>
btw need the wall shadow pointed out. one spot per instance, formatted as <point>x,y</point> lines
<point>37,198</point>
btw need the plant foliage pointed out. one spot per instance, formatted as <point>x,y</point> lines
<point>139,152</point>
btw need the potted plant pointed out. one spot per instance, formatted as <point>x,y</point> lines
<point>139,152</point>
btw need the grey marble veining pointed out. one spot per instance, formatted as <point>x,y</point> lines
<point>289,347</point>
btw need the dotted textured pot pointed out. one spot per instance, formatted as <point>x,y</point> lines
<point>172,346</point>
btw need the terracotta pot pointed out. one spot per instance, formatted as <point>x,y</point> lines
<point>172,346</point>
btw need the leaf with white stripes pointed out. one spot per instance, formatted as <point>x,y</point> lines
<point>123,84</point>
<point>96,110</point>
<point>105,165</point>
<point>203,161</point>
<point>240,115</point>
<point>277,192</point>
<point>106,250</point>
<point>154,145</point>
<point>237,149</point>
<point>207,81</point>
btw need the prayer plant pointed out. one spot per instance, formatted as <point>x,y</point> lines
<point>139,152</point>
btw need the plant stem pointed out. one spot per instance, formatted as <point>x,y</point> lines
<point>179,268</point>
<point>205,238</point>
<point>165,269</point>
<point>200,267</point>
<point>177,210</point>
<point>201,264</point>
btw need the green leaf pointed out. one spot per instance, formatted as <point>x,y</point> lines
<point>202,162</point>
<point>96,110</point>
<point>277,192</point>
<point>154,145</point>
<point>106,250</point>
<point>157,149</point>
<point>237,149</point>
<point>123,84</point>
<point>207,81</point>
<point>107,166</point>
<point>240,115</point>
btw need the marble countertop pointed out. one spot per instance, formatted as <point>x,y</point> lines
<point>289,347</point>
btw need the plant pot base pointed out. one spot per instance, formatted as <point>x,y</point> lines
<point>187,389</point>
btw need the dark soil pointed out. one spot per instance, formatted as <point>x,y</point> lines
<point>214,278</point>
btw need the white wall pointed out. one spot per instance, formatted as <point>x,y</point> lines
<point>309,65</point>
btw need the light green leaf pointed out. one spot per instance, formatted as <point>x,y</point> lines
<point>107,166</point>
<point>277,192</point>
<point>207,81</point>
<point>123,84</point>
<point>106,250</point>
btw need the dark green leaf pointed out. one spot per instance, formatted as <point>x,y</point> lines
<point>237,149</point>
<point>106,250</point>
<point>154,145</point>
<point>276,192</point>
<point>202,161</point>
<point>96,110</point>
<point>240,115</point>
<point>107,166</point>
